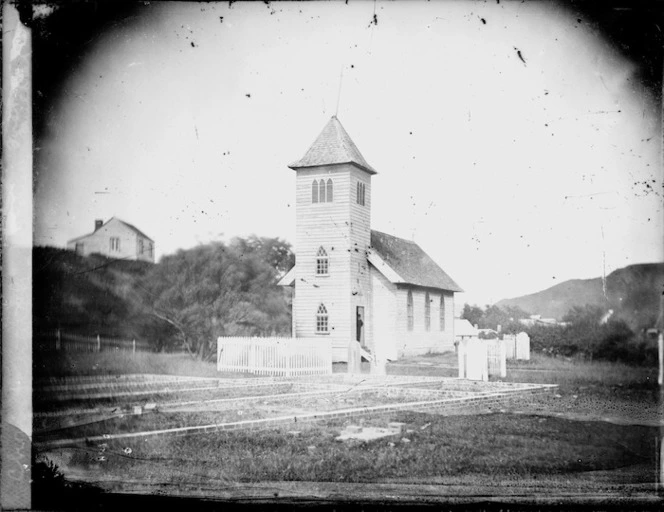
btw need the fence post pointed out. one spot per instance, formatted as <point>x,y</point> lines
<point>98,343</point>
<point>660,350</point>
<point>461,357</point>
<point>330,357</point>
<point>133,347</point>
<point>57,339</point>
<point>503,359</point>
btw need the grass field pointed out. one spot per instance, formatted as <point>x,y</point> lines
<point>578,372</point>
<point>499,447</point>
<point>594,387</point>
<point>495,447</point>
<point>597,389</point>
<point>570,374</point>
<point>73,364</point>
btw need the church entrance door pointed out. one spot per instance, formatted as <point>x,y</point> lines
<point>359,323</point>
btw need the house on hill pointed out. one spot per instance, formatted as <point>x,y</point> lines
<point>115,239</point>
<point>351,282</point>
<point>538,320</point>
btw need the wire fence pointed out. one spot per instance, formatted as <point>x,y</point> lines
<point>58,340</point>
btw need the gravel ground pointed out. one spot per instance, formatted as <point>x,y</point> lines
<point>615,393</point>
<point>580,405</point>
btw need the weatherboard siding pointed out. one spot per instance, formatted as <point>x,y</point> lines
<point>419,340</point>
<point>384,316</point>
<point>331,226</point>
<point>360,236</point>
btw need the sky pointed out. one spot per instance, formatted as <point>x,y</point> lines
<point>512,142</point>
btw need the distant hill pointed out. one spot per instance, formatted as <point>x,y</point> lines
<point>86,294</point>
<point>632,292</point>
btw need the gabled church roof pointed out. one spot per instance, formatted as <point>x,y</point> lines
<point>408,263</point>
<point>401,262</point>
<point>333,146</point>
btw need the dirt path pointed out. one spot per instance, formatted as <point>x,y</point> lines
<point>594,488</point>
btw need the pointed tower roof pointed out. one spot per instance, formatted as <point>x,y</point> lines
<point>333,146</point>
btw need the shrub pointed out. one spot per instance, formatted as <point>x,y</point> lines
<point>51,491</point>
<point>612,341</point>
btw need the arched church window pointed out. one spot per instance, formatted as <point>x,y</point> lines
<point>329,190</point>
<point>321,191</point>
<point>314,191</point>
<point>321,319</point>
<point>427,311</point>
<point>409,310</point>
<point>442,312</point>
<point>322,262</point>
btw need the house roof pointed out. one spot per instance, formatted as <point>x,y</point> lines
<point>134,229</point>
<point>463,327</point>
<point>333,146</point>
<point>410,262</point>
<point>288,279</point>
<point>130,226</point>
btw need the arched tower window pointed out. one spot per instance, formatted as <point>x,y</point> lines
<point>321,319</point>
<point>360,195</point>
<point>314,191</point>
<point>409,310</point>
<point>329,190</point>
<point>321,191</point>
<point>322,262</point>
<point>442,312</point>
<point>427,311</point>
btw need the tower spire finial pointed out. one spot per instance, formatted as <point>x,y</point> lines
<point>341,78</point>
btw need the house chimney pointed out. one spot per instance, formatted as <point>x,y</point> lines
<point>98,223</point>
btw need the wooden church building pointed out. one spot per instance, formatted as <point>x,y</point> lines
<point>353,283</point>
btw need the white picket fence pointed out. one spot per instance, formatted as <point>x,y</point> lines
<point>480,359</point>
<point>496,358</point>
<point>59,340</point>
<point>517,346</point>
<point>274,356</point>
<point>473,360</point>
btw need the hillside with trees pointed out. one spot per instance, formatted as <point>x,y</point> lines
<point>586,332</point>
<point>85,294</point>
<point>220,290</point>
<point>186,300</point>
<point>633,293</point>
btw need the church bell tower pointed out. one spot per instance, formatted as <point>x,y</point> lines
<point>332,297</point>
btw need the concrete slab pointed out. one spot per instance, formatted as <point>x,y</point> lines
<point>366,433</point>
